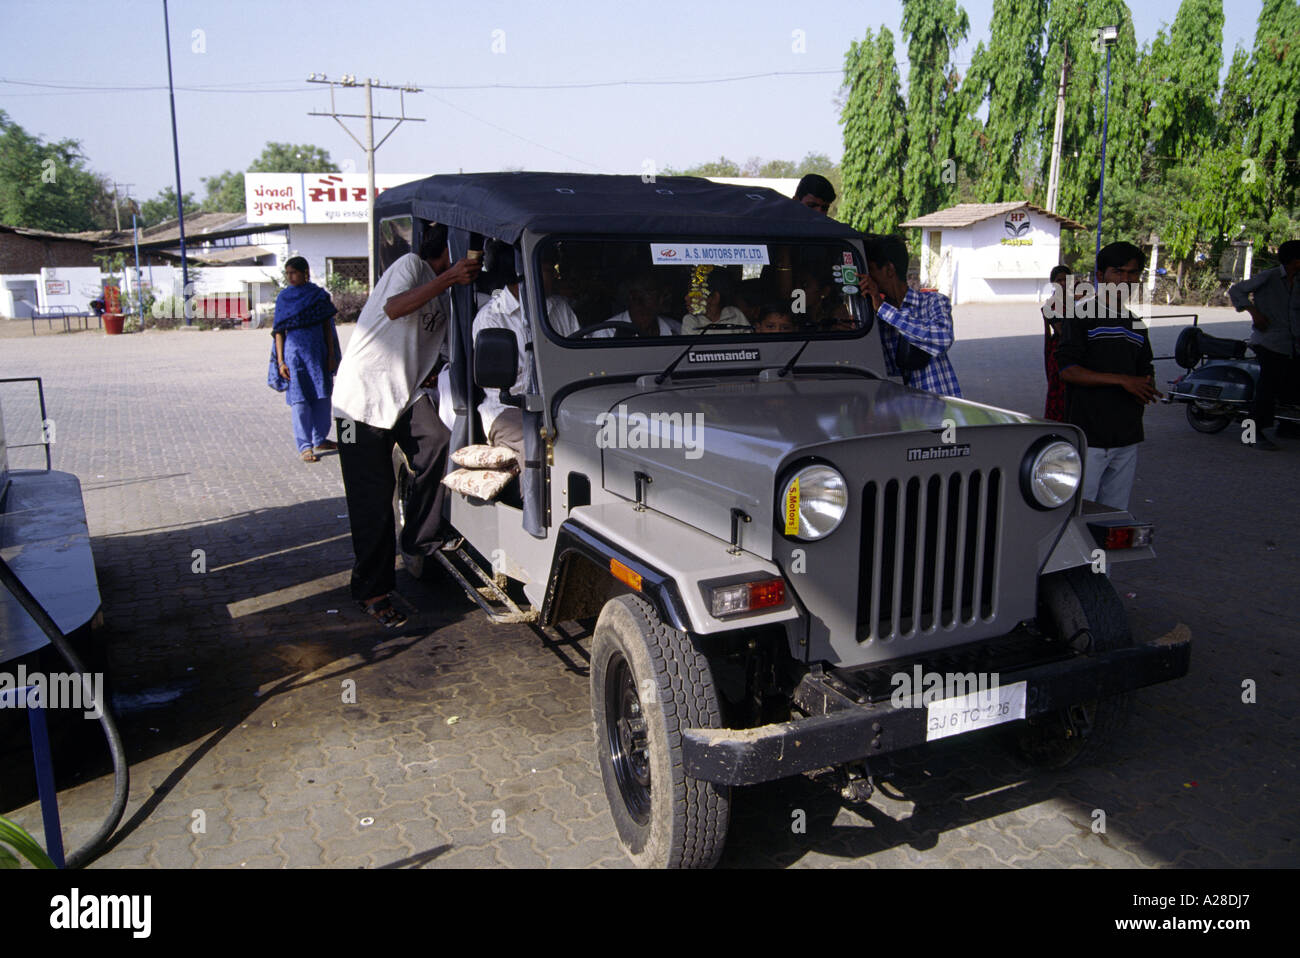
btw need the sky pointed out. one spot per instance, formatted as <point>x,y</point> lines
<point>629,82</point>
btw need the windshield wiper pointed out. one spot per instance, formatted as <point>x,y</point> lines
<point>789,367</point>
<point>659,380</point>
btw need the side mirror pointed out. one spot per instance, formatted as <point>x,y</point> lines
<point>496,359</point>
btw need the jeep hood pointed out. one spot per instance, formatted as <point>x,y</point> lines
<point>713,446</point>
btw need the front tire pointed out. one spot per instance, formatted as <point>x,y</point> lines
<point>1207,417</point>
<point>1080,607</point>
<point>648,684</point>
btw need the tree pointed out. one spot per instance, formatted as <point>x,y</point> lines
<point>1273,138</point>
<point>719,167</point>
<point>1008,75</point>
<point>225,192</point>
<point>293,158</point>
<point>1183,72</point>
<point>163,207</point>
<point>778,169</point>
<point>875,136</point>
<point>933,28</point>
<point>1072,29</point>
<point>47,185</point>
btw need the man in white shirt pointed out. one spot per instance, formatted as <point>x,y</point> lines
<point>503,424</point>
<point>379,402</point>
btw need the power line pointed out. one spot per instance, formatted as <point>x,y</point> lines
<point>370,146</point>
<point>518,136</point>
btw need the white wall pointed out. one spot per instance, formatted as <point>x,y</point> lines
<point>83,282</point>
<point>987,269</point>
<point>13,287</point>
<point>316,241</point>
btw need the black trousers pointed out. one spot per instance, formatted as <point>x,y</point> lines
<point>1277,378</point>
<point>369,483</point>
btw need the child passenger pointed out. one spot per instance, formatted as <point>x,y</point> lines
<point>774,319</point>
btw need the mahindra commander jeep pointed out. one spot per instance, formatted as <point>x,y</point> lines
<point>793,562</point>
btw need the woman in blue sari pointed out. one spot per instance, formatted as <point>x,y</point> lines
<point>304,357</point>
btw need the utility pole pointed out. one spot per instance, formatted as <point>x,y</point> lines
<point>117,215</point>
<point>370,146</point>
<point>1107,36</point>
<point>186,292</point>
<point>1054,176</point>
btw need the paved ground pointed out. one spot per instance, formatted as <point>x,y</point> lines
<point>471,745</point>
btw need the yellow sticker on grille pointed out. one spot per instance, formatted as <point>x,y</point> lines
<point>792,509</point>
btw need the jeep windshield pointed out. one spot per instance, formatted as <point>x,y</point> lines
<point>629,293</point>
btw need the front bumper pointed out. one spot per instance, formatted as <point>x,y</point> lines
<point>750,756</point>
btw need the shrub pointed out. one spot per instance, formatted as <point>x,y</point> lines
<point>349,305</point>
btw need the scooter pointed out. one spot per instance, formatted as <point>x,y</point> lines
<point>1220,383</point>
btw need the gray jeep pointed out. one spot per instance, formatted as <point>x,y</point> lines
<point>793,563</point>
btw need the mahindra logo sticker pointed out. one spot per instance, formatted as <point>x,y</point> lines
<point>947,451</point>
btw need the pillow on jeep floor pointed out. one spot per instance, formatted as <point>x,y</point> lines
<point>484,457</point>
<point>480,483</point>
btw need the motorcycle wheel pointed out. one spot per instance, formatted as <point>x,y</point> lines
<point>1207,417</point>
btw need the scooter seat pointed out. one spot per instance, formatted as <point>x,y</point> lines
<point>1194,344</point>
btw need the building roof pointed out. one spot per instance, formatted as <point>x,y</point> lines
<point>230,255</point>
<point>196,224</point>
<point>86,236</point>
<point>968,214</point>
<point>503,205</point>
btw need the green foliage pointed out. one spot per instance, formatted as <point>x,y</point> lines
<point>338,283</point>
<point>1182,73</point>
<point>1072,30</point>
<point>875,136</point>
<point>21,842</point>
<point>1008,76</point>
<point>293,158</point>
<point>163,207</point>
<point>225,192</point>
<point>47,185</point>
<point>1273,135</point>
<point>933,29</point>
<point>719,167</point>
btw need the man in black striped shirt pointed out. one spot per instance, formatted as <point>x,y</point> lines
<point>1106,364</point>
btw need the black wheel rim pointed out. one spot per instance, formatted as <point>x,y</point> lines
<point>626,738</point>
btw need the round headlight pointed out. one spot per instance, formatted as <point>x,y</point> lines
<point>813,502</point>
<point>1054,474</point>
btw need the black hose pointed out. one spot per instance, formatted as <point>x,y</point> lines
<point>121,771</point>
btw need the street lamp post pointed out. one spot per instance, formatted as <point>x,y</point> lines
<point>1107,37</point>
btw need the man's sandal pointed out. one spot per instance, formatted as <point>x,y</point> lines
<point>384,613</point>
<point>309,456</point>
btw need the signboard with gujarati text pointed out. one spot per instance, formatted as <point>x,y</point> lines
<point>313,197</point>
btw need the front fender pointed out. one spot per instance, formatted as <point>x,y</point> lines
<point>1077,547</point>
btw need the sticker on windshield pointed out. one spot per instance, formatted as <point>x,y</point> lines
<point>697,254</point>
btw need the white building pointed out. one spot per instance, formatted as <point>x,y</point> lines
<point>990,252</point>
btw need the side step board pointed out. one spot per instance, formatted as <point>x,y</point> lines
<point>489,597</point>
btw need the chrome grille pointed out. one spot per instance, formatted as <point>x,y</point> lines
<point>930,553</point>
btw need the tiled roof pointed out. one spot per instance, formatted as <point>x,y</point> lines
<point>967,214</point>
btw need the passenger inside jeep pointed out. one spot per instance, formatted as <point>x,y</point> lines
<point>629,291</point>
<point>643,297</point>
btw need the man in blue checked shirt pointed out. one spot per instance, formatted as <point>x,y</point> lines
<point>915,327</point>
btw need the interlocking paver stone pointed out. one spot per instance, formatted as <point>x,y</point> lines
<point>231,682</point>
